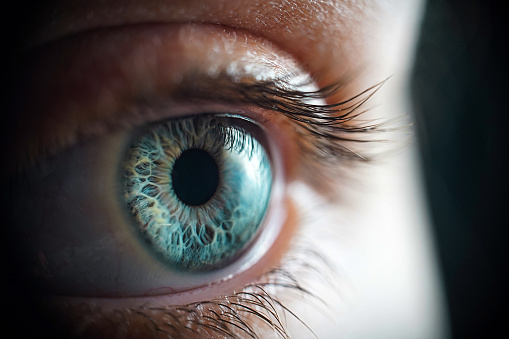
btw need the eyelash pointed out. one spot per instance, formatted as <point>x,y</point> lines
<point>235,315</point>
<point>329,134</point>
<point>325,122</point>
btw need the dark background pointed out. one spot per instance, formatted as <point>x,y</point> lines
<point>461,96</point>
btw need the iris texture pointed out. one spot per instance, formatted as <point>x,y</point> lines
<point>198,189</point>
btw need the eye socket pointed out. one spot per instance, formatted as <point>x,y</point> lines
<point>80,238</point>
<point>198,189</point>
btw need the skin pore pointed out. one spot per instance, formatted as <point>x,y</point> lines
<point>352,242</point>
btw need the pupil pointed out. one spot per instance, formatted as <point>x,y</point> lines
<point>195,177</point>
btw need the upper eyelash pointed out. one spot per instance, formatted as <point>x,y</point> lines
<point>329,135</point>
<point>326,122</point>
<point>325,128</point>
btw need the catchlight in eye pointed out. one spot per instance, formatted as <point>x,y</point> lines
<point>198,189</point>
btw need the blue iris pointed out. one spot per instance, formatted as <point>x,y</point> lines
<point>198,189</point>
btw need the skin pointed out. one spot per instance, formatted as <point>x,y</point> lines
<point>375,235</point>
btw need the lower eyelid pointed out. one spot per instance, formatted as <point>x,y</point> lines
<point>92,317</point>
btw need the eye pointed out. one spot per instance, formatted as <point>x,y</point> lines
<point>198,190</point>
<point>179,194</point>
<point>168,207</point>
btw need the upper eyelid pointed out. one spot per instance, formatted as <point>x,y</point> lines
<point>322,127</point>
<point>283,96</point>
<point>326,125</point>
<point>71,84</point>
<point>278,95</point>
